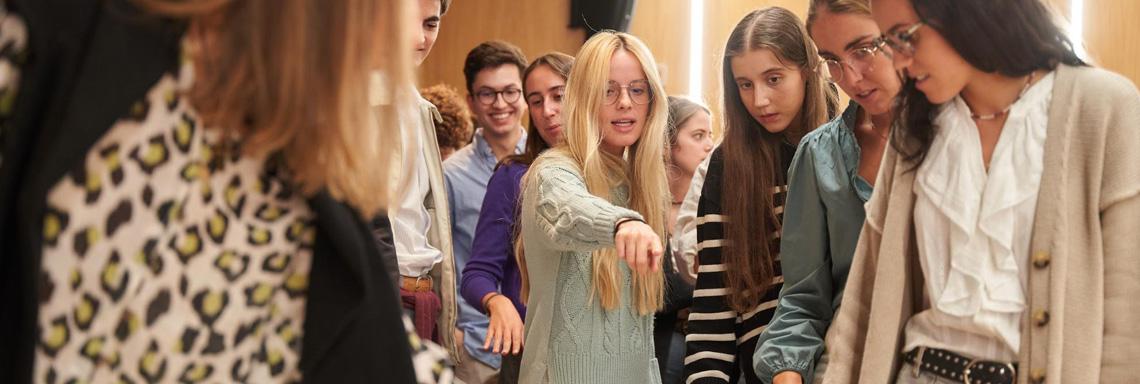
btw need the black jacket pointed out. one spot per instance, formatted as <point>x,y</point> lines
<point>87,62</point>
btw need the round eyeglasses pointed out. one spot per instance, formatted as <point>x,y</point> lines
<point>860,60</point>
<point>902,42</point>
<point>638,90</point>
<point>488,96</point>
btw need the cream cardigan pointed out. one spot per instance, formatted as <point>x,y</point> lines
<point>1082,324</point>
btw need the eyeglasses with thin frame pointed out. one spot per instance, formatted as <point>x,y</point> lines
<point>488,96</point>
<point>858,60</point>
<point>902,42</point>
<point>638,90</point>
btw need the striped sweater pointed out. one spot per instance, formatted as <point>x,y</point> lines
<point>721,341</point>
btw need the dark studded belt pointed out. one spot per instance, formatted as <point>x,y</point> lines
<point>950,365</point>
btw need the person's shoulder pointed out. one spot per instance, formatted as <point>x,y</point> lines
<point>424,104</point>
<point>826,134</point>
<point>555,159</point>
<point>507,172</point>
<point>833,132</point>
<point>460,160</point>
<point>717,156</point>
<point>1104,87</point>
<point>715,169</point>
<point>511,168</point>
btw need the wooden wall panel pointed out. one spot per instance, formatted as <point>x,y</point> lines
<point>664,27</point>
<point>537,27</point>
<point>1112,37</point>
<point>1110,33</point>
<point>540,26</point>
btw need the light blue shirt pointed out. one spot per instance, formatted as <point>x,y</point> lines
<point>466,174</point>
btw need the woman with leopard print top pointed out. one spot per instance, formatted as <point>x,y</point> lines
<point>181,195</point>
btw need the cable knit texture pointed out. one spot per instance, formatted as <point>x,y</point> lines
<point>570,338</point>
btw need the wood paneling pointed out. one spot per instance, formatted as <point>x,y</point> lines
<point>1112,37</point>
<point>537,27</point>
<point>540,26</point>
<point>664,27</point>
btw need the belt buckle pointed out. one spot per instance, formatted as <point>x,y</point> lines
<point>966,371</point>
<point>420,278</point>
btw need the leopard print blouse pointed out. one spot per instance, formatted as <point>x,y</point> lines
<point>168,256</point>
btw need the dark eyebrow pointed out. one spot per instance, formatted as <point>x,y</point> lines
<point>431,19</point>
<point>856,42</point>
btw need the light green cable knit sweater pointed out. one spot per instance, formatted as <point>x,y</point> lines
<point>570,339</point>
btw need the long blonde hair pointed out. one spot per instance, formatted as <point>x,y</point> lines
<point>292,77</point>
<point>643,170</point>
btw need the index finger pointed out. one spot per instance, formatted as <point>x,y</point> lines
<point>657,253</point>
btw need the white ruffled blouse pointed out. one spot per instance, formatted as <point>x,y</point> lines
<point>973,228</point>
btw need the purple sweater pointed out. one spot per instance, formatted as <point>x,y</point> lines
<point>492,264</point>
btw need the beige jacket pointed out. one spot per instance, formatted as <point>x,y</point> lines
<point>1082,324</point>
<point>439,235</point>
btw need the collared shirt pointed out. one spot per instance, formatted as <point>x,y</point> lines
<point>973,228</point>
<point>410,218</point>
<point>491,266</point>
<point>683,242</point>
<point>466,174</point>
<point>822,221</point>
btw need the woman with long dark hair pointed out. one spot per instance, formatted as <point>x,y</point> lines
<point>773,97</point>
<point>1001,242</point>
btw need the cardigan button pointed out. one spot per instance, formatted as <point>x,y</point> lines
<point>1037,375</point>
<point>1041,317</point>
<point>1041,259</point>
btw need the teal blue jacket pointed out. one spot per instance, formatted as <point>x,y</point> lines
<point>822,219</point>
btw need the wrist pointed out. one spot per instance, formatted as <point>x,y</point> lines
<point>620,222</point>
<point>787,376</point>
<point>487,300</point>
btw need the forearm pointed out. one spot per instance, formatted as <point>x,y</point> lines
<point>568,216</point>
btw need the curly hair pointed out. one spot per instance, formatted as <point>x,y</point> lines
<point>456,129</point>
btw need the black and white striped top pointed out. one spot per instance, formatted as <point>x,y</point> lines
<point>720,340</point>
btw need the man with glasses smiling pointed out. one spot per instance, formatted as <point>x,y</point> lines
<point>493,71</point>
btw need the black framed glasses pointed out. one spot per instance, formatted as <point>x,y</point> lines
<point>638,90</point>
<point>488,96</point>
<point>858,60</point>
<point>902,42</point>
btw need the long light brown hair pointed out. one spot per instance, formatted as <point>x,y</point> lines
<point>838,7</point>
<point>643,168</point>
<point>293,78</point>
<point>752,155</point>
